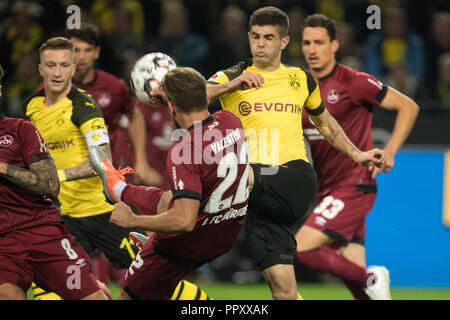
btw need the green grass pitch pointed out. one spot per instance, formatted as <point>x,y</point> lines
<point>260,291</point>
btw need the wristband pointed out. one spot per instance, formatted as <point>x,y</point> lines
<point>61,175</point>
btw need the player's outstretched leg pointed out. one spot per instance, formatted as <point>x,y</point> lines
<point>113,180</point>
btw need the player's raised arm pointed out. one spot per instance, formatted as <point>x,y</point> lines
<point>246,80</point>
<point>333,133</point>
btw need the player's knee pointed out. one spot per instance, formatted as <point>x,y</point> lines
<point>10,292</point>
<point>97,295</point>
<point>309,238</point>
<point>164,201</point>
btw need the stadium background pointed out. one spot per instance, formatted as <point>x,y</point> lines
<point>409,228</point>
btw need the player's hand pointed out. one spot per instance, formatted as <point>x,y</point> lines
<point>247,80</point>
<point>122,215</point>
<point>386,167</point>
<point>144,174</point>
<point>374,157</point>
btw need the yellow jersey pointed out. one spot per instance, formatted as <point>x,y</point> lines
<point>63,127</point>
<point>272,114</point>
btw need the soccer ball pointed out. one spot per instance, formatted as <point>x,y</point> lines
<point>148,72</point>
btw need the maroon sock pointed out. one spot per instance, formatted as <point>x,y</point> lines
<point>356,290</point>
<point>142,198</point>
<point>331,261</point>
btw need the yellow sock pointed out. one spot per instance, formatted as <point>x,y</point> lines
<point>41,294</point>
<point>186,290</point>
<point>299,296</point>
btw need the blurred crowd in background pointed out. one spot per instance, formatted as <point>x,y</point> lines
<point>411,52</point>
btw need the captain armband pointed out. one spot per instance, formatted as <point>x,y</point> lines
<point>96,137</point>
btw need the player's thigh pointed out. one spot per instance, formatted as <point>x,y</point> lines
<point>15,268</point>
<point>309,238</point>
<point>9,291</point>
<point>59,263</point>
<point>270,242</point>
<point>152,277</point>
<point>341,215</point>
<point>283,193</point>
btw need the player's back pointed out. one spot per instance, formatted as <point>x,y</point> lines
<point>210,164</point>
<point>20,208</point>
<point>349,96</point>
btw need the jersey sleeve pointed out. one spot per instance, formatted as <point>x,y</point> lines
<point>367,90</point>
<point>184,174</point>
<point>32,143</point>
<point>313,105</point>
<point>218,78</point>
<point>88,116</point>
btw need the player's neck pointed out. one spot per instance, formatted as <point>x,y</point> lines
<point>188,120</point>
<point>86,78</point>
<point>52,98</point>
<point>317,74</point>
<point>268,67</point>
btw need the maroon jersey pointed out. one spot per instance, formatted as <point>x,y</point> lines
<point>349,96</point>
<point>112,96</point>
<point>210,164</point>
<point>159,126</point>
<point>21,145</point>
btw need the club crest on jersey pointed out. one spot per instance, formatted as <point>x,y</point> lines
<point>294,82</point>
<point>104,100</point>
<point>333,96</point>
<point>6,141</point>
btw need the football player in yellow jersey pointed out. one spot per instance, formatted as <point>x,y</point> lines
<point>70,121</point>
<point>269,97</point>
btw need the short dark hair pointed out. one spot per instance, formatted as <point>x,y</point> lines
<point>319,20</point>
<point>88,33</point>
<point>56,43</point>
<point>2,73</point>
<point>186,88</point>
<point>270,16</point>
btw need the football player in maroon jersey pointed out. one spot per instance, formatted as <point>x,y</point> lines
<point>209,178</point>
<point>346,192</point>
<point>34,244</point>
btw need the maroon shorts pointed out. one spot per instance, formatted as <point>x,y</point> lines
<point>152,277</point>
<point>342,214</point>
<point>49,256</point>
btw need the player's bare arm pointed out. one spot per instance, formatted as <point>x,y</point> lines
<point>41,178</point>
<point>143,173</point>
<point>246,80</point>
<point>181,218</point>
<point>407,111</point>
<point>333,133</point>
<point>84,169</point>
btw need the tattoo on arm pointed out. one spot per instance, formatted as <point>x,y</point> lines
<point>41,178</point>
<point>331,137</point>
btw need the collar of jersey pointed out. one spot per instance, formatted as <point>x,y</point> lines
<point>265,71</point>
<point>325,77</point>
<point>201,124</point>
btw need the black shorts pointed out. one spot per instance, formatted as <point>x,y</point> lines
<point>96,232</point>
<point>278,205</point>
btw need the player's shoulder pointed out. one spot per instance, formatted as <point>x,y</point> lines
<point>228,117</point>
<point>233,71</point>
<point>81,98</point>
<point>32,99</point>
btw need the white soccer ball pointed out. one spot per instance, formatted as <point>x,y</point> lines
<point>148,72</point>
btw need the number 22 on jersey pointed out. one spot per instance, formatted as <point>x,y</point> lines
<point>228,170</point>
